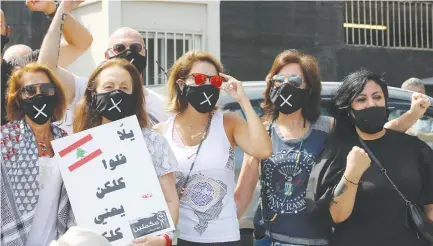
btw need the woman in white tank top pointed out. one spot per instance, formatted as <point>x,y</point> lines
<point>203,140</point>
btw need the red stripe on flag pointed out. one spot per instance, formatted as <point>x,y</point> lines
<point>85,159</point>
<point>75,145</point>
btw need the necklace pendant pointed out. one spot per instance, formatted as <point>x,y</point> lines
<point>195,135</point>
<point>288,187</point>
<point>182,191</point>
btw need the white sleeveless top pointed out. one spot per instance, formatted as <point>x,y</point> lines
<point>207,212</point>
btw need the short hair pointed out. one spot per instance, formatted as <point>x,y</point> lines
<point>311,73</point>
<point>25,59</point>
<point>16,51</point>
<point>413,82</point>
<point>181,69</point>
<point>13,108</point>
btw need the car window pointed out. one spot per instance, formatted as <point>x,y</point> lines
<point>234,107</point>
<point>423,128</point>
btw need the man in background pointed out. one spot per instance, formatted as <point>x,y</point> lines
<point>423,128</point>
<point>16,51</point>
<point>414,84</point>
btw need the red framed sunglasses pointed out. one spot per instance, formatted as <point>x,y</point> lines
<point>200,79</point>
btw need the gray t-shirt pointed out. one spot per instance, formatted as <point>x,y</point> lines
<point>163,158</point>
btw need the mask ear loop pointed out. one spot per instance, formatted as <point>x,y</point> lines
<point>181,88</point>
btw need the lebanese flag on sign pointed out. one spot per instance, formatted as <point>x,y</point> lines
<point>82,156</point>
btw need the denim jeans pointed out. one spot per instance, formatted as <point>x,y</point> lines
<point>266,241</point>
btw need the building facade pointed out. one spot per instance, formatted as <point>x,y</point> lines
<point>393,37</point>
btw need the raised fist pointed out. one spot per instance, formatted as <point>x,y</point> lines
<point>357,163</point>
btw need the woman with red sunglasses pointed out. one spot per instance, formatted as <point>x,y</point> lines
<point>203,140</point>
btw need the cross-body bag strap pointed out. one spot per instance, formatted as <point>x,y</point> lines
<point>382,169</point>
<point>206,131</point>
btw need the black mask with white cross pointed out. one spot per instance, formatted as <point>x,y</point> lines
<point>113,105</point>
<point>39,108</point>
<point>288,99</point>
<point>203,98</point>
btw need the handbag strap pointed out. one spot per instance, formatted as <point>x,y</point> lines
<point>382,169</point>
<point>206,131</point>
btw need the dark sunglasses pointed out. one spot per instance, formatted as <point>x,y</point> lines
<point>120,48</point>
<point>46,89</point>
<point>294,80</point>
<point>200,79</point>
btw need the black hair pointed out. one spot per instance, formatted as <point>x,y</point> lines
<point>351,87</point>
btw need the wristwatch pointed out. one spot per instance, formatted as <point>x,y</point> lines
<point>51,16</point>
<point>168,240</point>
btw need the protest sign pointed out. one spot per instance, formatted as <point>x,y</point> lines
<point>111,182</point>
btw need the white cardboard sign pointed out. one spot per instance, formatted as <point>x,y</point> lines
<point>111,182</point>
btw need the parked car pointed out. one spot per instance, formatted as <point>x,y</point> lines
<point>399,103</point>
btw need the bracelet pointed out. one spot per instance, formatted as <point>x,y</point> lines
<point>51,16</point>
<point>167,239</point>
<point>350,181</point>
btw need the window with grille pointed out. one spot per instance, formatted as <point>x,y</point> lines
<point>390,24</point>
<point>163,49</point>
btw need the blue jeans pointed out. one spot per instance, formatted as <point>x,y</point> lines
<point>266,241</point>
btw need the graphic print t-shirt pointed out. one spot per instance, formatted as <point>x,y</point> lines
<point>285,183</point>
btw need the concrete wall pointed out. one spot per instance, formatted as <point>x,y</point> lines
<point>253,33</point>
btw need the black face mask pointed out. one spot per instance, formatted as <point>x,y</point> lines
<point>39,108</point>
<point>203,98</point>
<point>113,105</point>
<point>5,40</point>
<point>138,60</point>
<point>370,120</point>
<point>288,99</point>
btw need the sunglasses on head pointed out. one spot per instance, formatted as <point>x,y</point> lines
<point>200,79</point>
<point>46,89</point>
<point>294,80</point>
<point>120,48</point>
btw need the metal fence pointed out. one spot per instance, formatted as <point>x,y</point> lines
<point>163,49</point>
<point>389,24</point>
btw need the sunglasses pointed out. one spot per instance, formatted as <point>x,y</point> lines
<point>46,89</point>
<point>294,80</point>
<point>200,79</point>
<point>120,48</point>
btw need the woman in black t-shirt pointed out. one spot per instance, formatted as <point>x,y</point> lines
<point>365,207</point>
